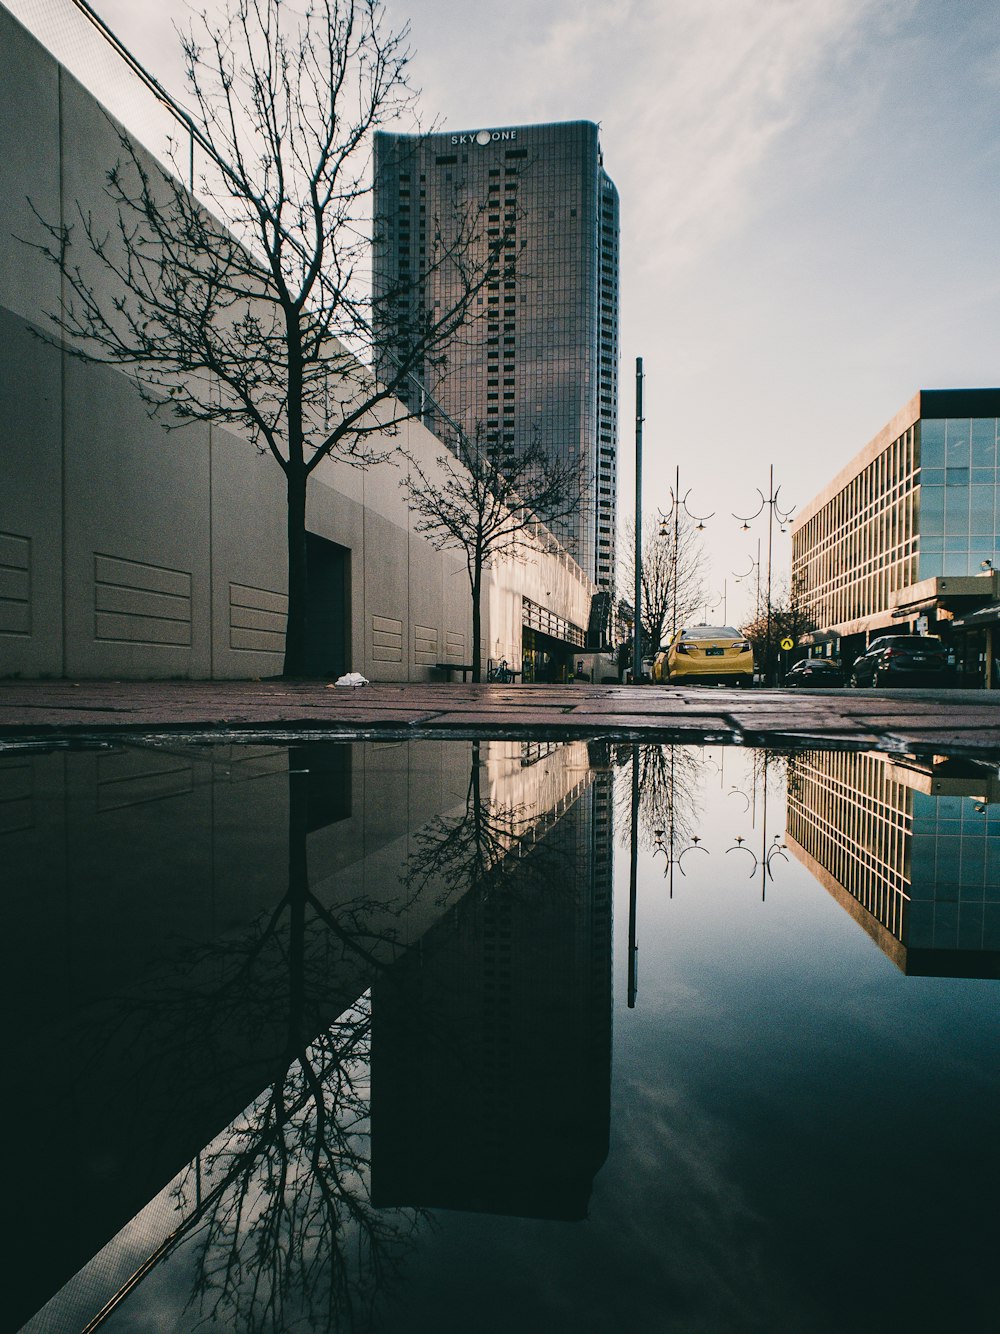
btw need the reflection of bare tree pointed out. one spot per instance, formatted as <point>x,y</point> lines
<point>284,1234</point>
<point>669,779</point>
<point>481,849</point>
<point>278,1224</point>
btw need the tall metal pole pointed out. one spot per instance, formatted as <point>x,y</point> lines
<point>637,641</point>
<point>768,656</point>
<point>677,528</point>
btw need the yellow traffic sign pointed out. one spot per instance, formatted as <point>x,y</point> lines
<point>787,643</point>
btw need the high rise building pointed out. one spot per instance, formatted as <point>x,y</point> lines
<point>538,360</point>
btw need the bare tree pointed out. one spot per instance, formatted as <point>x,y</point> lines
<point>489,513</point>
<point>672,579</point>
<point>786,615</point>
<point>266,323</point>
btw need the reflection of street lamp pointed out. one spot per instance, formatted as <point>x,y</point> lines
<point>783,516</point>
<point>673,857</point>
<point>768,851</point>
<point>678,502</point>
<point>767,854</point>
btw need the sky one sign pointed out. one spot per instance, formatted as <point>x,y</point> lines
<point>484,137</point>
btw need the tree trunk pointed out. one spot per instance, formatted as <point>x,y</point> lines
<point>296,628</point>
<point>477,616</point>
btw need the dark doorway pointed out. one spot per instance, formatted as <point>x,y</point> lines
<point>328,787</point>
<point>327,610</point>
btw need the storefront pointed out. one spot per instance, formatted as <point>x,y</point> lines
<point>551,647</point>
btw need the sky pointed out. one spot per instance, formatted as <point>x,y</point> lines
<point>810,200</point>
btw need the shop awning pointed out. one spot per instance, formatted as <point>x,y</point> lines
<point>983,616</point>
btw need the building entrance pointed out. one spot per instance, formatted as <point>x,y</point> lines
<point>544,658</point>
<point>327,607</point>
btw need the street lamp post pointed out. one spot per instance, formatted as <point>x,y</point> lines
<point>637,640</point>
<point>774,511</point>
<point>678,502</point>
<point>754,566</point>
<point>722,600</point>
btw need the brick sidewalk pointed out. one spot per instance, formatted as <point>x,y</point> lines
<point>919,722</point>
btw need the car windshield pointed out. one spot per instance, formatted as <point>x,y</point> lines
<point>711,632</point>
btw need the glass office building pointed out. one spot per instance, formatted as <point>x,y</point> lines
<point>538,360</point>
<point>905,538</point>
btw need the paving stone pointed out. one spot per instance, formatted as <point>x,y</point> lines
<point>925,720</point>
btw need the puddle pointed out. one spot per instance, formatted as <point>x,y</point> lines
<point>460,1035</point>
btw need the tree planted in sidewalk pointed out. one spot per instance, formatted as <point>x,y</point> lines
<point>672,575</point>
<point>786,616</point>
<point>264,321</point>
<point>489,512</point>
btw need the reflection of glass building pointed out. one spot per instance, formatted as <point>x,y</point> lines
<point>541,361</point>
<point>491,1054</point>
<point>906,536</point>
<point>911,851</point>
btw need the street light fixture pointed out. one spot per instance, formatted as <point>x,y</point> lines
<point>678,502</point>
<point>754,565</point>
<point>774,512</point>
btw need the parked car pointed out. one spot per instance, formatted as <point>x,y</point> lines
<point>815,672</point>
<point>647,670</point>
<point>660,667</point>
<point>709,654</point>
<point>904,660</point>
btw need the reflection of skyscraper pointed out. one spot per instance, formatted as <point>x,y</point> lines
<point>542,362</point>
<point>910,850</point>
<point>492,1043</point>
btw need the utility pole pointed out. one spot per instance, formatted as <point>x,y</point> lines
<point>637,629</point>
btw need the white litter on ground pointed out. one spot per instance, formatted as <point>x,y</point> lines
<point>351,679</point>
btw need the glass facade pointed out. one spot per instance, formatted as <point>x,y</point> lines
<point>958,496</point>
<point>538,361</point>
<point>921,500</point>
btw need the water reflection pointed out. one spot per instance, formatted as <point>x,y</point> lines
<point>911,850</point>
<point>282,1009</point>
<point>230,915</point>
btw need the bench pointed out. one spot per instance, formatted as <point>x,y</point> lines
<point>448,667</point>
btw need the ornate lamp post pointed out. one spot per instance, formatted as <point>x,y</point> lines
<point>774,511</point>
<point>721,601</point>
<point>745,574</point>
<point>678,502</point>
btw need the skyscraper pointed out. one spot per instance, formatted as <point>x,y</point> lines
<point>538,361</point>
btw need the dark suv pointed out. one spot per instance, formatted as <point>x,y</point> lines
<point>903,660</point>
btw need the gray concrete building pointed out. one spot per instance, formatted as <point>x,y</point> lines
<point>127,551</point>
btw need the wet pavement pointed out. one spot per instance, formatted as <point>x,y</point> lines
<point>919,722</point>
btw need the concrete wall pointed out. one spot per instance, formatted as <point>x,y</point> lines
<point>130,551</point>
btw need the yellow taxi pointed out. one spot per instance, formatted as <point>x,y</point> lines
<point>708,654</point>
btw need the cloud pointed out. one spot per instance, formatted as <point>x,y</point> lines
<point>691,94</point>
